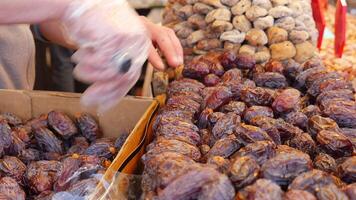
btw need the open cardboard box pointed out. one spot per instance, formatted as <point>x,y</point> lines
<point>132,115</point>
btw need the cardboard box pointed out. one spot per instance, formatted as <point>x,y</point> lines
<point>132,115</point>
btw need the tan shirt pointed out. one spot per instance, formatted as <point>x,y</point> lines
<point>17,57</point>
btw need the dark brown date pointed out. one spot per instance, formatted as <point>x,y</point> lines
<point>271,80</point>
<point>5,134</point>
<point>17,145</point>
<point>24,133</point>
<point>219,163</point>
<point>328,85</point>
<point>274,66</point>
<point>196,69</point>
<point>188,94</point>
<point>347,170</point>
<point>257,111</point>
<point>340,94</point>
<point>180,133</point>
<point>311,110</point>
<point>261,151</point>
<point>219,96</point>
<point>102,148</point>
<point>232,75</point>
<point>88,126</point>
<point>78,145</point>
<point>47,141</point>
<point>214,117</point>
<point>245,61</point>
<point>284,167</point>
<point>249,134</point>
<point>297,119</point>
<point>201,183</point>
<point>38,122</point>
<point>320,77</point>
<point>12,167</point>
<point>257,96</point>
<point>269,125</point>
<point>350,134</point>
<point>325,162</point>
<point>243,171</point>
<point>330,191</point>
<point>313,63</point>
<point>189,104</point>
<point>311,181</point>
<point>350,191</point>
<point>226,125</point>
<point>298,195</point>
<point>211,80</point>
<point>236,107</point>
<point>261,189</point>
<point>11,119</point>
<point>301,78</point>
<point>225,147</point>
<point>185,85</point>
<point>29,155</point>
<point>334,143</point>
<point>67,176</point>
<point>61,124</point>
<point>163,145</point>
<point>291,69</point>
<point>286,101</point>
<point>41,175</point>
<point>203,121</point>
<point>286,130</point>
<point>170,112</point>
<point>343,116</point>
<point>303,142</point>
<point>213,61</point>
<point>317,123</point>
<point>11,190</point>
<point>228,60</point>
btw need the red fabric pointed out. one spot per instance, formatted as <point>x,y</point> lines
<point>340,27</point>
<point>319,18</point>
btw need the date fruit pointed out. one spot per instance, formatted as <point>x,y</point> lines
<point>261,151</point>
<point>12,167</point>
<point>286,101</point>
<point>47,141</point>
<point>325,162</point>
<point>257,111</point>
<point>347,170</point>
<point>62,124</point>
<point>88,126</point>
<point>10,188</point>
<point>334,143</point>
<point>298,195</point>
<point>243,171</point>
<point>261,189</point>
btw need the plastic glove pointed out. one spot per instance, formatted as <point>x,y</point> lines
<point>113,45</point>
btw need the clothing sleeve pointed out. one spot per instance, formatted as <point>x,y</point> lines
<point>37,33</point>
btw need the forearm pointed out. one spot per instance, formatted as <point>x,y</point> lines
<point>56,33</point>
<point>31,11</point>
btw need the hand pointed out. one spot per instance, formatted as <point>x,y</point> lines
<point>168,44</point>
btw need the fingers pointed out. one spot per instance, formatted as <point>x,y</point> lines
<point>155,59</point>
<point>168,43</point>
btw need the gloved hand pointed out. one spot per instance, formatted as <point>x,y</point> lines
<point>113,45</point>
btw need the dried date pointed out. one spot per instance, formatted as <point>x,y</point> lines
<point>291,69</point>
<point>101,148</point>
<point>217,98</point>
<point>228,60</point>
<point>303,142</point>
<point>269,125</point>
<point>83,188</point>
<point>68,174</point>
<point>261,151</point>
<point>343,116</point>
<point>5,134</point>
<point>274,66</point>
<point>334,143</point>
<point>317,123</point>
<point>47,141</point>
<point>189,104</point>
<point>29,155</point>
<point>196,69</point>
<point>350,191</point>
<point>211,80</point>
<point>11,119</point>
<point>39,122</point>
<point>12,167</point>
<point>243,171</point>
<point>256,96</point>
<point>297,119</point>
<point>286,101</point>
<point>219,163</point>
<point>78,145</point>
<point>225,147</point>
<point>185,85</point>
<point>301,78</point>
<point>232,75</point>
<point>257,111</point>
<point>203,121</point>
<point>286,130</point>
<point>298,195</point>
<point>350,134</point>
<point>284,167</point>
<point>41,175</point>
<point>328,85</point>
<point>17,145</point>
<point>330,191</point>
<point>88,126</point>
<point>24,133</point>
<point>311,110</point>
<point>245,61</point>
<point>11,190</point>
<point>325,162</point>
<point>261,189</point>
<point>250,134</point>
<point>347,170</point>
<point>271,80</point>
<point>341,94</point>
<point>61,124</point>
<point>236,107</point>
<point>226,125</point>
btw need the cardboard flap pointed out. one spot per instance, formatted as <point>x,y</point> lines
<point>17,102</point>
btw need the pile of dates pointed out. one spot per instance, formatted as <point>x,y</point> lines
<point>52,153</point>
<point>234,129</point>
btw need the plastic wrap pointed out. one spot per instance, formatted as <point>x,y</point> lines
<point>113,45</point>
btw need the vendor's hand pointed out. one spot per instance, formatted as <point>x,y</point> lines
<point>165,39</point>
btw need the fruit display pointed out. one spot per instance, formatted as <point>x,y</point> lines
<point>264,29</point>
<point>280,130</point>
<point>52,153</point>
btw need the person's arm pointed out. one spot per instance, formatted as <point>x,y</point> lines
<point>55,32</point>
<point>31,12</point>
